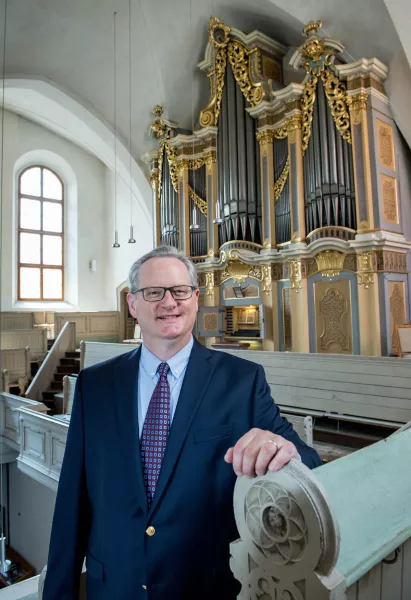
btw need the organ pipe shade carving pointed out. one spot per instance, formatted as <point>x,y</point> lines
<point>282,205</point>
<point>238,166</point>
<point>328,172</point>
<point>168,203</point>
<point>197,191</point>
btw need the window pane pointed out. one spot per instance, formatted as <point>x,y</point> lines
<point>29,283</point>
<point>52,284</point>
<point>52,250</point>
<point>52,217</point>
<point>30,248</point>
<point>29,214</point>
<point>30,182</point>
<point>52,187</point>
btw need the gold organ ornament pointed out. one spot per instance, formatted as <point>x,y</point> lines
<point>282,180</point>
<point>365,270</point>
<point>330,263</point>
<point>199,202</point>
<point>296,279</point>
<point>210,284</point>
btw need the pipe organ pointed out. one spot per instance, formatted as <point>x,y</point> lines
<point>287,197</point>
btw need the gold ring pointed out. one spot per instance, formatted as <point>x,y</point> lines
<point>274,442</point>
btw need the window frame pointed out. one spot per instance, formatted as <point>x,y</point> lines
<point>42,232</point>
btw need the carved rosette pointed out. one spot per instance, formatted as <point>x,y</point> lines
<point>288,537</point>
<point>275,523</point>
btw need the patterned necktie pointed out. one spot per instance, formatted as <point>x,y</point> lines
<point>155,432</point>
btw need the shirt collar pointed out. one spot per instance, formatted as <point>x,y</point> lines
<point>177,363</point>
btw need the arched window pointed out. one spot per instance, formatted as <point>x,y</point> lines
<point>40,235</point>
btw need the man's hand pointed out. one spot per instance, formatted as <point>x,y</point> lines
<point>258,451</point>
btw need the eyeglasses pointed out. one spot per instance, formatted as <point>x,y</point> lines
<point>155,294</point>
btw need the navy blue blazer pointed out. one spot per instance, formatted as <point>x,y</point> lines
<point>101,509</point>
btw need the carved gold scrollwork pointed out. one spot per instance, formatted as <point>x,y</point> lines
<point>154,180</point>
<point>307,107</point>
<point>365,269</point>
<point>195,163</point>
<point>357,103</point>
<point>199,202</point>
<point>296,278</point>
<point>210,284</point>
<point>293,124</point>
<point>282,180</point>
<point>336,92</point>
<point>172,163</point>
<point>238,56</point>
<point>266,279</point>
<point>209,116</point>
<point>333,307</point>
<point>330,263</point>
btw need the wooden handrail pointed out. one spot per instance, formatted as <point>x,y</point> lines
<point>66,341</point>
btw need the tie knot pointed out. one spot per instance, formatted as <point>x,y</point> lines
<point>162,369</point>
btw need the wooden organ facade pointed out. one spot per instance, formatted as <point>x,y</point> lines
<point>288,197</point>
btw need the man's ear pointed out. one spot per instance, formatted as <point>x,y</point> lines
<point>131,302</point>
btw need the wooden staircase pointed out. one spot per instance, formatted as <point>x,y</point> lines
<point>53,396</point>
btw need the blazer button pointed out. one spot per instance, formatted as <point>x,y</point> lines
<point>150,531</point>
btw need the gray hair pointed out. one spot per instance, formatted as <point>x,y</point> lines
<point>161,252</point>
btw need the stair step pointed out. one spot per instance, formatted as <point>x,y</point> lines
<point>49,394</point>
<point>66,370</point>
<point>69,361</point>
<point>74,354</point>
<point>60,395</point>
<point>56,385</point>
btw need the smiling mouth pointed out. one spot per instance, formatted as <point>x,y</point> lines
<point>168,317</point>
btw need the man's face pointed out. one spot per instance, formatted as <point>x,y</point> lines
<point>167,319</point>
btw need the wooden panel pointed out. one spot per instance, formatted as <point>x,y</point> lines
<point>389,199</point>
<point>391,578</point>
<point>385,145</point>
<point>333,321</point>
<point>15,361</point>
<point>103,323</point>
<point>369,586</point>
<point>36,339</point>
<point>16,320</point>
<point>90,324</point>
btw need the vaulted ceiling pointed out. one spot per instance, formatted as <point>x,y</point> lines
<point>70,44</point>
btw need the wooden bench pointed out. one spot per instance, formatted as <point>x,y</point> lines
<point>16,320</point>
<point>340,532</point>
<point>21,338</point>
<point>15,365</point>
<point>92,353</point>
<point>360,389</point>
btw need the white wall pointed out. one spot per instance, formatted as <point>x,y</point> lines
<point>89,219</point>
<point>31,507</point>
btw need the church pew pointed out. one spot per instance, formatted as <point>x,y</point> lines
<point>21,338</point>
<point>340,532</point>
<point>361,388</point>
<point>15,365</point>
<point>16,320</point>
<point>95,352</point>
<point>302,425</point>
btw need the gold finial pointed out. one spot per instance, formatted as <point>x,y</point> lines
<point>219,34</point>
<point>311,28</point>
<point>157,111</point>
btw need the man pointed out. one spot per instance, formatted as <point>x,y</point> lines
<point>149,503</point>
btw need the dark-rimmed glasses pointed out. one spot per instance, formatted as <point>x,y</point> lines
<point>155,294</point>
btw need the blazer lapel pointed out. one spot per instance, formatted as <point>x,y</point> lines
<point>196,380</point>
<point>126,387</point>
